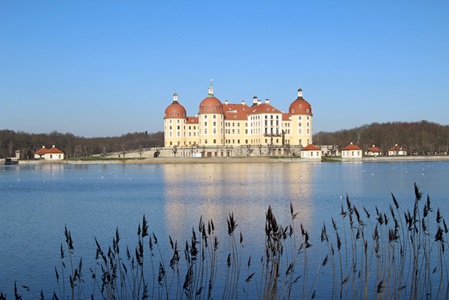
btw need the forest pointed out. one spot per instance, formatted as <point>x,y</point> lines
<point>75,146</point>
<point>417,138</point>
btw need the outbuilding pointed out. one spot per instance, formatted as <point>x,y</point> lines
<point>49,154</point>
<point>351,151</point>
<point>311,152</point>
<point>373,151</point>
<point>396,151</point>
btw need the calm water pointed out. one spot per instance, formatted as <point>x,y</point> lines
<point>36,202</point>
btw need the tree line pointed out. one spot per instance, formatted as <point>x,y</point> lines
<point>75,146</point>
<point>417,138</point>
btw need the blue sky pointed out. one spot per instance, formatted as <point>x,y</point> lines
<point>106,68</point>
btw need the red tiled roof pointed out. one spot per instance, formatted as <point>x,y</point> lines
<point>351,147</point>
<point>263,108</point>
<point>300,107</point>
<point>54,150</point>
<point>41,151</point>
<point>285,117</point>
<point>211,105</point>
<point>236,111</point>
<point>175,110</point>
<point>192,120</point>
<point>374,149</point>
<point>395,148</point>
<point>311,147</point>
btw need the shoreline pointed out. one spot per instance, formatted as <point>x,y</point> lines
<point>224,160</point>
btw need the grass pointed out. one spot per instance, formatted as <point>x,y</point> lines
<point>397,254</point>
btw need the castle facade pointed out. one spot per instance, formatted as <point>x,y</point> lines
<point>222,124</point>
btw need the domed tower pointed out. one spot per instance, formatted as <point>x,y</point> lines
<point>300,112</point>
<point>174,124</point>
<point>211,120</point>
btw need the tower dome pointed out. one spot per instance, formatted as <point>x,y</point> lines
<point>300,106</point>
<point>210,104</point>
<point>175,110</point>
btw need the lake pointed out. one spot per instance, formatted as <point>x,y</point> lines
<point>38,201</point>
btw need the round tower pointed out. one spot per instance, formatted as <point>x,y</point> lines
<point>211,120</point>
<point>300,113</point>
<point>174,124</point>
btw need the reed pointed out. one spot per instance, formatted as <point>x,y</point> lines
<point>397,254</point>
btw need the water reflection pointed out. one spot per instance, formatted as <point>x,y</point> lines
<point>213,191</point>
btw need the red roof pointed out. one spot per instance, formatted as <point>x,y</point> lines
<point>395,148</point>
<point>351,147</point>
<point>285,117</point>
<point>41,151</point>
<point>236,111</point>
<point>263,108</point>
<point>192,120</point>
<point>175,110</point>
<point>311,147</point>
<point>300,107</point>
<point>374,149</point>
<point>211,105</point>
<point>52,150</point>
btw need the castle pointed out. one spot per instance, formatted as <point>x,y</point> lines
<point>238,126</point>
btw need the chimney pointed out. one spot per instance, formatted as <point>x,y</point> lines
<point>243,102</point>
<point>226,102</point>
<point>255,100</point>
<point>267,101</point>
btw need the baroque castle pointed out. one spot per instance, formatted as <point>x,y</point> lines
<point>223,125</point>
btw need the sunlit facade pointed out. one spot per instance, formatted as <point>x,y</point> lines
<point>221,125</point>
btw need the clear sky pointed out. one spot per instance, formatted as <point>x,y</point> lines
<point>106,68</point>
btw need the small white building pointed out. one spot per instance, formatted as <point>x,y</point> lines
<point>396,151</point>
<point>373,151</point>
<point>49,154</point>
<point>311,152</point>
<point>351,151</point>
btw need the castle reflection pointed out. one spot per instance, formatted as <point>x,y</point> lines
<point>213,191</point>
